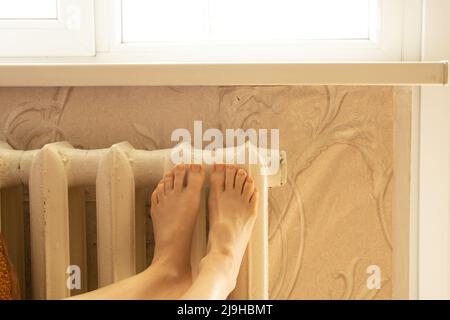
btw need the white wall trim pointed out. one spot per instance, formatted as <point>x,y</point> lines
<point>434,180</point>
<point>412,51</point>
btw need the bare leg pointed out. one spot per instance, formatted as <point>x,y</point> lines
<point>174,209</point>
<point>232,212</point>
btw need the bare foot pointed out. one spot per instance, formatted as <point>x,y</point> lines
<point>232,206</point>
<point>174,208</point>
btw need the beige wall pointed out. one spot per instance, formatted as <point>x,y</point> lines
<point>327,225</point>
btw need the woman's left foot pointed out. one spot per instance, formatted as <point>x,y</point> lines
<point>174,209</point>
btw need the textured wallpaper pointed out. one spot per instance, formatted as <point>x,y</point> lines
<point>330,222</point>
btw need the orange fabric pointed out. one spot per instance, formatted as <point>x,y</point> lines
<point>6,285</point>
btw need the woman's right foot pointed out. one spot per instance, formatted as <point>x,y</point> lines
<point>232,203</point>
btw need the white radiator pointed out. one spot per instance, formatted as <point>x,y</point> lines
<point>53,174</point>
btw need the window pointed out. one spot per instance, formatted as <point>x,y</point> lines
<point>161,31</point>
<point>28,9</point>
<point>46,28</point>
<point>249,20</point>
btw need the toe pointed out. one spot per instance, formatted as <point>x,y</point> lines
<point>230,174</point>
<point>254,200</point>
<point>179,172</point>
<point>240,180</point>
<point>217,177</point>
<point>195,177</point>
<point>154,199</point>
<point>249,188</point>
<point>168,182</point>
<point>160,191</point>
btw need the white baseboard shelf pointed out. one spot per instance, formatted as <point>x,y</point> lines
<point>83,74</point>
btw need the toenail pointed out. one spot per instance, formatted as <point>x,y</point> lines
<point>219,167</point>
<point>169,175</point>
<point>241,172</point>
<point>195,167</point>
<point>180,166</point>
<point>249,179</point>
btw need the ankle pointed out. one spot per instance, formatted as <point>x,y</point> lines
<point>172,259</point>
<point>220,263</point>
<point>169,271</point>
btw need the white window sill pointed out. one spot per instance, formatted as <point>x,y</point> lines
<point>202,74</point>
